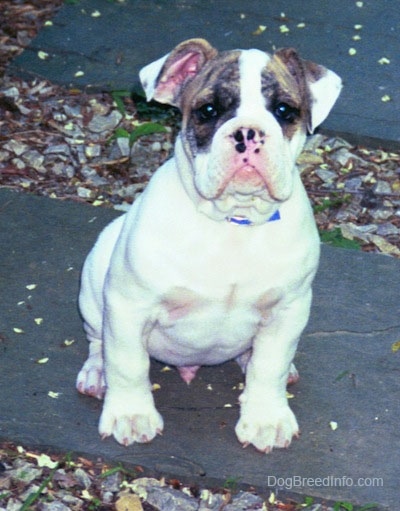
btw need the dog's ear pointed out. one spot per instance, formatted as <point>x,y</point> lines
<point>323,85</point>
<point>164,79</point>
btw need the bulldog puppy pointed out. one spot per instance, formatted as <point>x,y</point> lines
<point>216,258</point>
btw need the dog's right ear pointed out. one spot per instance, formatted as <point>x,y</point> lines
<point>164,79</point>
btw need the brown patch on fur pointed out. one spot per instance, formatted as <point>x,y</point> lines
<point>284,81</point>
<point>216,84</point>
<point>266,301</point>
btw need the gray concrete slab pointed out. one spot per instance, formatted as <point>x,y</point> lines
<point>348,372</point>
<point>110,41</point>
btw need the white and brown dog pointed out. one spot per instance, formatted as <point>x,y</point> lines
<point>215,260</point>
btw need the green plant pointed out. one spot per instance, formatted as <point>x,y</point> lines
<point>335,238</point>
<point>148,128</point>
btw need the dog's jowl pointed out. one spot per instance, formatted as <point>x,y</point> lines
<point>216,259</point>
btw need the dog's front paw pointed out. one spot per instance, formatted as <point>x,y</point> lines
<point>129,423</point>
<point>267,430</point>
<point>90,379</point>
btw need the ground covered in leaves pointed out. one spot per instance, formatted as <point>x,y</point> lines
<point>102,149</point>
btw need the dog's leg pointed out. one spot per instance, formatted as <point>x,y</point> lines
<point>129,412</point>
<point>243,359</point>
<point>266,421</point>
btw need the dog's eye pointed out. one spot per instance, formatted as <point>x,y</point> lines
<point>285,112</point>
<point>206,112</point>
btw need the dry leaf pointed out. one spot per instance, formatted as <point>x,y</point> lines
<point>396,346</point>
<point>333,425</point>
<point>130,502</point>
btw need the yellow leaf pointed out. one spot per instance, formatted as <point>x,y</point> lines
<point>18,330</point>
<point>38,321</point>
<point>333,425</point>
<point>129,502</point>
<point>42,360</point>
<point>43,55</point>
<point>260,30</point>
<point>53,395</point>
<point>396,346</point>
<point>31,287</point>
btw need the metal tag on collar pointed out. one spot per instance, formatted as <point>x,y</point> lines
<point>242,220</point>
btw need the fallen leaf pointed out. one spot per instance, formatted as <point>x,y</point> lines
<point>260,30</point>
<point>386,98</point>
<point>53,395</point>
<point>69,342</point>
<point>42,360</point>
<point>31,287</point>
<point>95,14</point>
<point>38,321</point>
<point>352,51</point>
<point>333,425</point>
<point>396,346</point>
<point>383,61</point>
<point>284,29</point>
<point>43,460</point>
<point>18,330</point>
<point>130,502</point>
<point>78,74</point>
<point>42,55</point>
<point>155,386</point>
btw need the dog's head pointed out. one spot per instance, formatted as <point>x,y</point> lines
<point>245,116</point>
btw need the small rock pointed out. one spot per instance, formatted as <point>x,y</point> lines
<point>34,159</point>
<point>84,193</point>
<point>102,123</point>
<point>82,478</point>
<point>11,92</point>
<point>91,151</point>
<point>244,501</point>
<point>381,213</point>
<point>313,142</point>
<point>53,506</point>
<point>327,176</point>
<point>123,146</point>
<point>25,472</point>
<point>16,147</point>
<point>353,184</point>
<point>72,111</point>
<point>4,155</point>
<point>169,499</point>
<point>58,149</point>
<point>112,483</point>
<point>382,187</point>
<point>387,229</point>
<point>211,501</point>
<point>92,177</point>
<point>18,163</point>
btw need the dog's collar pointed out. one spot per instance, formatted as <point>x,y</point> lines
<point>242,220</point>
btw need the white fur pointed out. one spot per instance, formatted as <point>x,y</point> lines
<point>172,279</point>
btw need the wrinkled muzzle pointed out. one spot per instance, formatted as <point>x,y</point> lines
<point>246,161</point>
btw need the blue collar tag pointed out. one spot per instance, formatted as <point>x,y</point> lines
<point>242,220</point>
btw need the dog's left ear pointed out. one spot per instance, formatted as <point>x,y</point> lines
<point>324,86</point>
<point>164,79</point>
